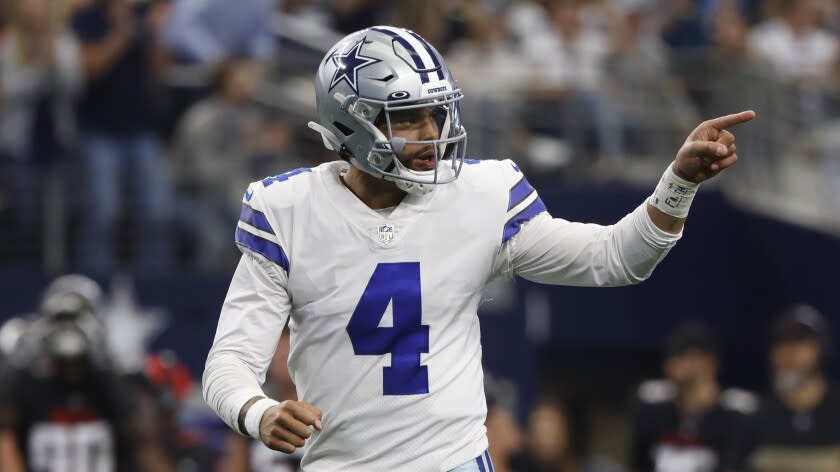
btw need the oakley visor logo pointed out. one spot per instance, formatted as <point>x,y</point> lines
<point>398,95</point>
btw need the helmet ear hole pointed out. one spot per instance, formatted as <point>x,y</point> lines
<point>345,130</point>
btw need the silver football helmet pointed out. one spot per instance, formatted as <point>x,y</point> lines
<point>367,78</point>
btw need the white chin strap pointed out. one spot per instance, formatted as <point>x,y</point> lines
<point>444,172</point>
<point>413,187</point>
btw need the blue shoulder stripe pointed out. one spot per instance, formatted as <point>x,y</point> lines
<point>255,218</point>
<point>519,192</point>
<point>514,224</point>
<point>266,248</point>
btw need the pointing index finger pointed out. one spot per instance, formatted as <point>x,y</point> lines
<point>723,122</point>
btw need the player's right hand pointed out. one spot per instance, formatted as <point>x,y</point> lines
<point>285,427</point>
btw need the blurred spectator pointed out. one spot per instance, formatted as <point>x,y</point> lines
<point>528,17</point>
<point>570,53</point>
<point>687,421</point>
<point>222,144</point>
<point>800,53</point>
<point>729,36</point>
<point>796,426</point>
<point>794,43</point>
<point>171,383</point>
<point>64,409</point>
<point>733,79</point>
<point>503,435</point>
<point>487,50</point>
<point>249,455</point>
<point>653,105</point>
<point>566,101</point>
<point>685,28</point>
<point>549,444</point>
<point>120,58</point>
<point>212,31</point>
<point>40,76</point>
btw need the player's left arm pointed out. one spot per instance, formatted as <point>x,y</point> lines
<point>708,151</point>
<point>556,251</point>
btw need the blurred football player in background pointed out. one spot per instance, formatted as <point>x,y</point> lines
<point>796,427</point>
<point>61,406</point>
<point>378,262</point>
<point>687,422</point>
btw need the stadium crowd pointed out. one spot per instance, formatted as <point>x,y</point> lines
<point>129,129</point>
<point>132,126</point>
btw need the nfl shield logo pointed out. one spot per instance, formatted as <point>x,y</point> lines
<point>385,233</point>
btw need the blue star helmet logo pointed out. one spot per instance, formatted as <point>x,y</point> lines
<point>348,65</point>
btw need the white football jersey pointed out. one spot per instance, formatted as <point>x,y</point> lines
<point>381,305</point>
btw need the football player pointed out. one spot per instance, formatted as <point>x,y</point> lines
<point>377,263</point>
<point>61,406</point>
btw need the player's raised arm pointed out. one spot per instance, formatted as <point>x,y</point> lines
<point>708,151</point>
<point>556,251</point>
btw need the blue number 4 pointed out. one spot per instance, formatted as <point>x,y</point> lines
<point>397,283</point>
<point>284,176</point>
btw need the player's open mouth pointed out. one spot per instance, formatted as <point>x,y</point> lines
<point>424,162</point>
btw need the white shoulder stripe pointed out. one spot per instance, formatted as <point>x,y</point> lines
<point>258,232</point>
<point>522,205</point>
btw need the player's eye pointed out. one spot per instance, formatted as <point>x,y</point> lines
<point>408,118</point>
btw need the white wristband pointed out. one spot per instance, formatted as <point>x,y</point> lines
<point>673,194</point>
<point>254,416</point>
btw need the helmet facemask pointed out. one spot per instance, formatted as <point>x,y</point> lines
<point>449,147</point>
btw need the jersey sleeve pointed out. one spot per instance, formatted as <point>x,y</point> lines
<point>550,250</point>
<point>255,234</point>
<point>253,316</point>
